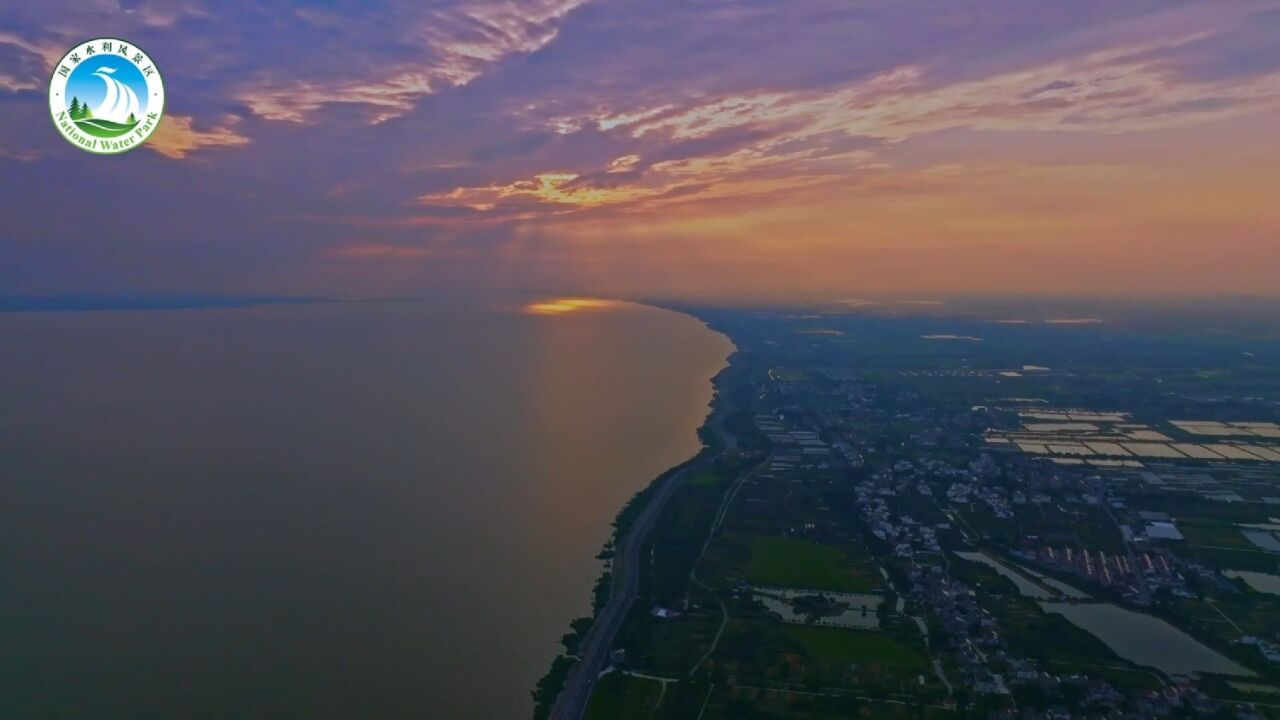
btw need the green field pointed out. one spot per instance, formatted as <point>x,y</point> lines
<point>789,562</point>
<point>857,646</point>
<point>622,697</point>
<point>789,375</point>
<point>104,128</point>
<point>705,478</point>
<point>1209,533</point>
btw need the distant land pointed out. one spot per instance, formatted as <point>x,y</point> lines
<point>83,303</point>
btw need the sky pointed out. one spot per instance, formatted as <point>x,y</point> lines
<point>727,150</point>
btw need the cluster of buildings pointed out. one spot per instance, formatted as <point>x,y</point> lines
<point>971,633</point>
<point>894,487</point>
<point>794,449</point>
<point>1147,570</point>
<point>993,497</point>
<point>904,533</point>
<point>1176,700</point>
<point>1269,650</point>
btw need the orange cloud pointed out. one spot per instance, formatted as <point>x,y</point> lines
<point>176,137</point>
<point>551,189</point>
<point>15,84</point>
<point>48,52</point>
<point>796,177</point>
<point>1135,219</point>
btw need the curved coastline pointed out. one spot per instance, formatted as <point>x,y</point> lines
<point>550,692</point>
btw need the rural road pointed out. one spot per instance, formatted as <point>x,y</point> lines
<point>571,703</point>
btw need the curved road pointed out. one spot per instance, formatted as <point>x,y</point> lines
<point>571,703</point>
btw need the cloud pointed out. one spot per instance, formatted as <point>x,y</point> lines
<point>176,137</point>
<point>26,63</point>
<point>22,156</point>
<point>779,142</point>
<point>622,164</point>
<point>453,46</point>
<point>163,13</point>
<point>1118,90</point>
<point>49,52</point>
<point>14,84</point>
<point>718,144</point>
<point>553,191</point>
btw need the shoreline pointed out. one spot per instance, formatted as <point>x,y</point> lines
<point>549,693</point>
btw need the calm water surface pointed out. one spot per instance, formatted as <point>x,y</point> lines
<point>1025,586</point>
<point>328,511</point>
<point>1262,582</point>
<point>1146,639</point>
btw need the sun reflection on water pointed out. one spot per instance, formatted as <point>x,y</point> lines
<point>560,306</point>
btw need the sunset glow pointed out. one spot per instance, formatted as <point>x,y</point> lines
<point>559,306</point>
<point>729,151</point>
<point>569,359</point>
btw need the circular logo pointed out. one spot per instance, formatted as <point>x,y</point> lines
<point>106,96</point>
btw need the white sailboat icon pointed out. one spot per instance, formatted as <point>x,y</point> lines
<point>120,102</point>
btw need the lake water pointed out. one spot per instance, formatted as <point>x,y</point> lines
<point>1026,587</point>
<point>1134,636</point>
<point>1068,591</point>
<point>319,511</point>
<point>1029,582</point>
<point>1262,582</point>
<point>1146,640</point>
<point>856,610</point>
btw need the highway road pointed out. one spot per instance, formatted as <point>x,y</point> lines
<point>571,703</point>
